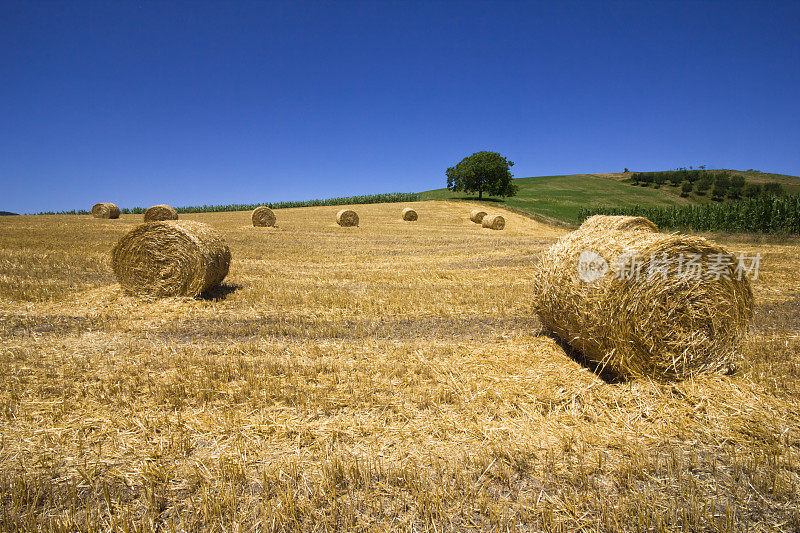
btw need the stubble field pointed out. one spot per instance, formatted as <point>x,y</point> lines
<point>390,376</point>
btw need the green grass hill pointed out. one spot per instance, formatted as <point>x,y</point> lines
<point>562,197</point>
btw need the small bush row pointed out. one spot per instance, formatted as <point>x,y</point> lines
<point>719,184</point>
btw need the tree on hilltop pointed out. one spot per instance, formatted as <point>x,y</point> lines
<point>481,172</point>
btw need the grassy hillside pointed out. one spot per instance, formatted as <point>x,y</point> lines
<point>562,197</point>
<point>790,183</point>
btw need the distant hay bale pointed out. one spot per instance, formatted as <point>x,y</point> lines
<point>409,214</point>
<point>160,212</point>
<point>629,301</point>
<point>619,223</point>
<point>105,210</point>
<point>493,222</point>
<point>477,215</point>
<point>347,217</point>
<point>263,216</point>
<point>170,258</point>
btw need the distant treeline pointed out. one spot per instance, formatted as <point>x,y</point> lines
<point>762,214</point>
<point>720,184</point>
<point>345,200</point>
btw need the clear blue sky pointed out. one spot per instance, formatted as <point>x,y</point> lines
<point>231,102</point>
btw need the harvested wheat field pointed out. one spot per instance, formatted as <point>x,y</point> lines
<point>391,378</point>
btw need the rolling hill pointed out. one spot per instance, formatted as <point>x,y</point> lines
<point>562,197</point>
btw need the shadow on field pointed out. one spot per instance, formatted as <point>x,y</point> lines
<point>603,372</point>
<point>782,316</point>
<point>223,328</point>
<point>220,292</point>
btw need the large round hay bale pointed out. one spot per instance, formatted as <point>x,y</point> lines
<point>170,258</point>
<point>347,217</point>
<point>620,223</point>
<point>263,217</point>
<point>105,210</point>
<point>476,215</point>
<point>409,214</point>
<point>634,301</point>
<point>493,222</point>
<point>160,212</point>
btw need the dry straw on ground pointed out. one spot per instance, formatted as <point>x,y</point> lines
<point>263,216</point>
<point>160,212</point>
<point>493,222</point>
<point>347,217</point>
<point>105,210</point>
<point>619,223</point>
<point>385,390</point>
<point>409,214</point>
<point>477,215</point>
<point>167,258</point>
<point>661,323</point>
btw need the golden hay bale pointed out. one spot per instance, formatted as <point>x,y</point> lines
<point>493,222</point>
<point>160,212</point>
<point>105,210</point>
<point>263,217</point>
<point>409,214</point>
<point>170,258</point>
<point>665,322</point>
<point>347,217</point>
<point>477,215</point>
<point>619,223</point>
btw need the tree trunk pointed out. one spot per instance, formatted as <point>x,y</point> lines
<point>480,194</point>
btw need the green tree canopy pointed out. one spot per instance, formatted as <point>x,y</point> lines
<point>481,172</point>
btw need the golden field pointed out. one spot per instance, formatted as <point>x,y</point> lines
<point>389,376</point>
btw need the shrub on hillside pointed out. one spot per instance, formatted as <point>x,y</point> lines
<point>751,190</point>
<point>773,188</point>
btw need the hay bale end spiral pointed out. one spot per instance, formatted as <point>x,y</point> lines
<point>263,217</point>
<point>347,218</point>
<point>409,214</point>
<point>496,222</point>
<point>476,215</point>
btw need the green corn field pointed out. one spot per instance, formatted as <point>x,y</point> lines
<point>345,200</point>
<point>763,214</point>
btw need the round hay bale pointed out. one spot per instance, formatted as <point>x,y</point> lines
<point>347,217</point>
<point>631,301</point>
<point>493,222</point>
<point>477,215</point>
<point>160,212</point>
<point>263,217</point>
<point>105,210</point>
<point>170,258</point>
<point>409,214</point>
<point>619,223</point>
